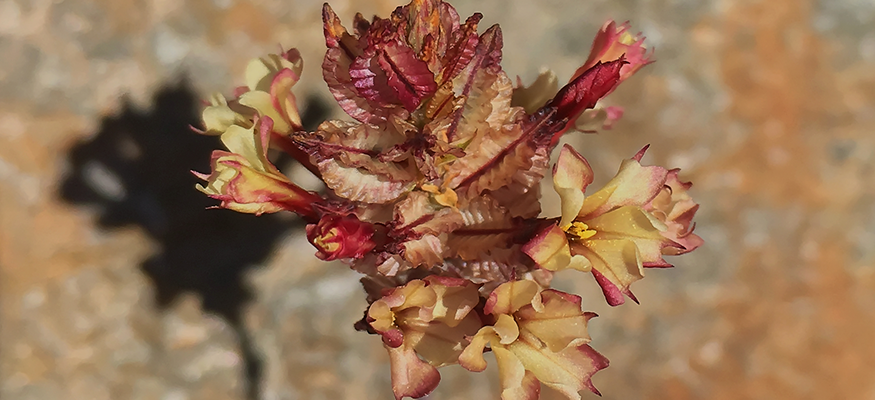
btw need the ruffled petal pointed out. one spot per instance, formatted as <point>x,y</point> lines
<point>561,324</point>
<point>471,357</point>
<point>261,102</point>
<point>283,99</point>
<point>674,207</point>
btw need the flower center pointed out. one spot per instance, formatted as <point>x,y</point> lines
<point>327,241</point>
<point>579,230</point>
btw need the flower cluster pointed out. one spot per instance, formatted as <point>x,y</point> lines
<point>433,192</point>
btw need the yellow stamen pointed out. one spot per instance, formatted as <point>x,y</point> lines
<point>579,230</point>
<point>627,39</point>
<point>443,196</point>
<point>326,242</point>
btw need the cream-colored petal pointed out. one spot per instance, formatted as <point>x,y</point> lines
<point>511,296</point>
<point>637,225</point>
<point>243,142</point>
<point>634,185</point>
<point>516,382</point>
<point>472,357</point>
<point>571,175</point>
<point>568,371</point>
<point>218,116</point>
<point>561,324</point>
<point>440,344</point>
<point>262,103</point>
<point>549,249</point>
<point>454,301</point>
<point>382,315</point>
<point>283,99</point>
<point>506,328</point>
<point>617,261</point>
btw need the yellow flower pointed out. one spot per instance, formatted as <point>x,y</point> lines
<point>245,181</point>
<point>609,233</point>
<point>538,337</point>
<point>429,317</point>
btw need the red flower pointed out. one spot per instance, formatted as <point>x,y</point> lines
<point>338,237</point>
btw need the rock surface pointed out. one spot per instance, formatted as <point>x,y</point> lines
<point>116,284</point>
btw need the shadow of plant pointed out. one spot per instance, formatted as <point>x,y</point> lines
<point>135,171</point>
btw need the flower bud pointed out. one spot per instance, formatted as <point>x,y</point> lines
<point>338,237</point>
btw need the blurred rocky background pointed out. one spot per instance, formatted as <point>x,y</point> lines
<point>115,283</point>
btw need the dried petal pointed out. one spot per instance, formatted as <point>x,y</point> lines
<point>487,229</point>
<point>345,154</point>
<point>460,53</point>
<point>421,228</point>
<point>343,51</point>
